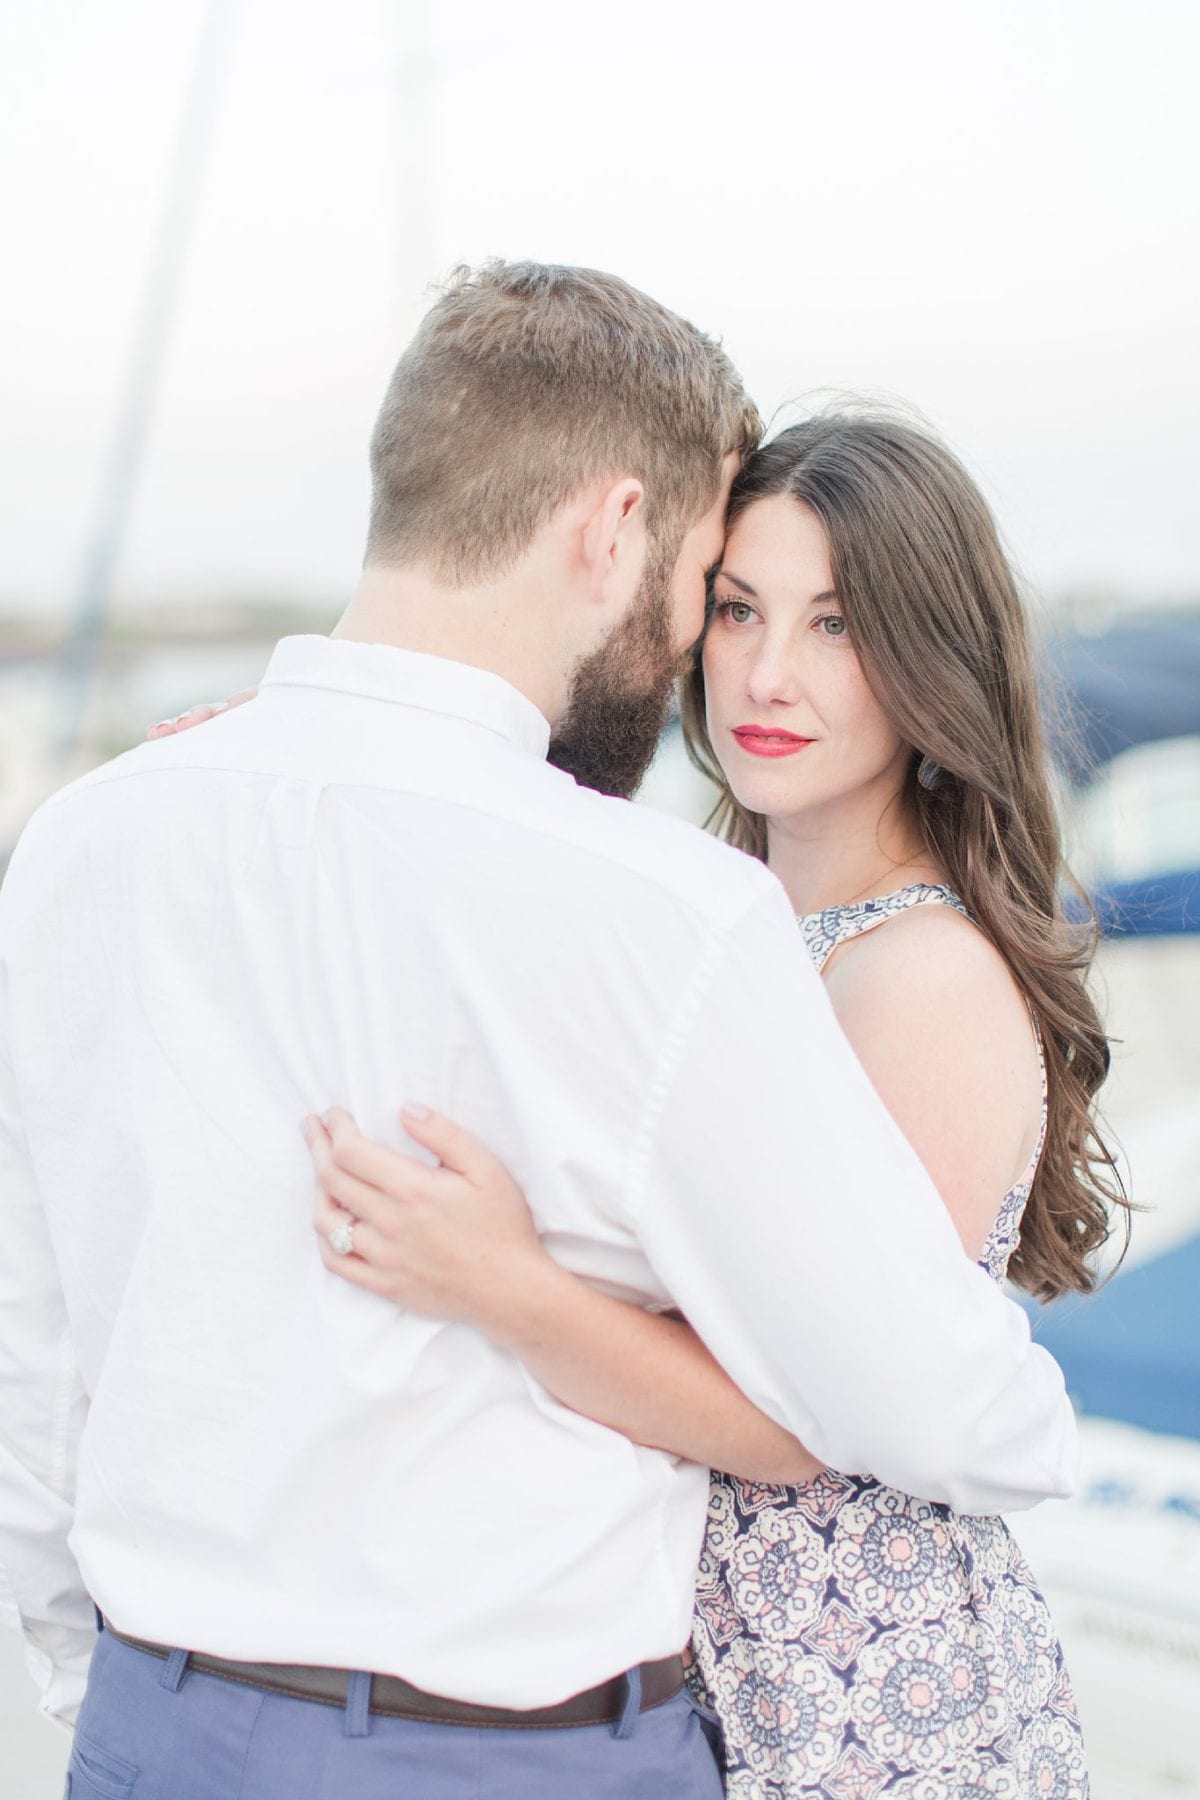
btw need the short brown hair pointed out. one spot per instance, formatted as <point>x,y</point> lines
<point>527,381</point>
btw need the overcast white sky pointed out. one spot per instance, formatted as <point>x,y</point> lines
<point>988,210</point>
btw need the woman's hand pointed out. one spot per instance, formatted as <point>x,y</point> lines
<point>199,714</point>
<point>458,1242</point>
<point>455,1241</point>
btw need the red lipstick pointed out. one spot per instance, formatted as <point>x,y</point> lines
<point>761,742</point>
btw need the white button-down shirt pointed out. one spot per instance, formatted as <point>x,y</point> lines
<point>368,886</point>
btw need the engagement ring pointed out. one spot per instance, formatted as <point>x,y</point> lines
<point>341,1238</point>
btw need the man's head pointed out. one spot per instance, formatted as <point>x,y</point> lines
<point>534,395</point>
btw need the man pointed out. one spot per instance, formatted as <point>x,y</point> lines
<point>343,1550</point>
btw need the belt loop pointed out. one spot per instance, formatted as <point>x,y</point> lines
<point>175,1670</point>
<point>358,1705</point>
<point>626,1725</point>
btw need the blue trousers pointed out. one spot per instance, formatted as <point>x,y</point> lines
<point>151,1730</point>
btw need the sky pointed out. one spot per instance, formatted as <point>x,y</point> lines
<point>988,212</point>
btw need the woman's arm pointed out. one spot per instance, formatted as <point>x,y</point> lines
<point>648,1376</point>
<point>457,1242</point>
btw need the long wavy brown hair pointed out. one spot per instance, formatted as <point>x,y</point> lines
<point>932,609</point>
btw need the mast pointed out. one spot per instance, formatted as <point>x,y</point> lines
<point>416,238</point>
<point>123,464</point>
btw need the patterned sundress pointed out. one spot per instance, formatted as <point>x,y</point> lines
<point>856,1642</point>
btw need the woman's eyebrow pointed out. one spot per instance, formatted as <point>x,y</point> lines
<point>725,574</point>
<point>728,575</point>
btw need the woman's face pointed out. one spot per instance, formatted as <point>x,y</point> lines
<point>793,723</point>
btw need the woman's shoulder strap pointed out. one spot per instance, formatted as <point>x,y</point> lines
<point>823,931</point>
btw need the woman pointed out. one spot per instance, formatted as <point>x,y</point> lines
<point>865,700</point>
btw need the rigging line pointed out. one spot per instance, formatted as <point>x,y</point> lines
<point>123,465</point>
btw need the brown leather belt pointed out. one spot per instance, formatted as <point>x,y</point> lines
<point>397,1699</point>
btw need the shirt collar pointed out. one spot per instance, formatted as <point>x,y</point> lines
<point>410,678</point>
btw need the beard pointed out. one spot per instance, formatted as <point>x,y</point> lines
<point>620,694</point>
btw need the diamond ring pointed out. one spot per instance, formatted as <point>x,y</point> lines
<point>341,1238</point>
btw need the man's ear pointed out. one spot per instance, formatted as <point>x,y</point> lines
<point>614,540</point>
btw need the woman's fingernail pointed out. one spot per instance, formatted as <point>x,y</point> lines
<point>412,1109</point>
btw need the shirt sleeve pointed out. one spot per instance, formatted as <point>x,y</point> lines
<point>796,1229</point>
<point>42,1409</point>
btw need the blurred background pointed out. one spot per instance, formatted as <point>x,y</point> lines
<point>222,218</point>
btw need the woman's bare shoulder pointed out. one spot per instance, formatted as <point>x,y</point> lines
<point>938,1022</point>
<point>935,962</point>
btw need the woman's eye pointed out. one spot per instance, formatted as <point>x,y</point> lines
<point>832,625</point>
<point>738,612</point>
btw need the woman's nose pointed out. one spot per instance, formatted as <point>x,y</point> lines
<point>773,675</point>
